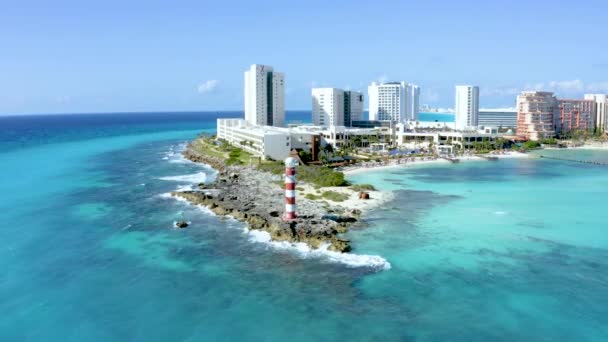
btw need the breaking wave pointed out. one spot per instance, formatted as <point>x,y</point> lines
<point>199,177</point>
<point>304,251</point>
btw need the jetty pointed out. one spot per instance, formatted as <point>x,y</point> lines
<point>576,160</point>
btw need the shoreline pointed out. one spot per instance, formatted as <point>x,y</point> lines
<point>395,165</point>
<point>256,197</point>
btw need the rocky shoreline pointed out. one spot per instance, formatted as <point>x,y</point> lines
<point>255,197</point>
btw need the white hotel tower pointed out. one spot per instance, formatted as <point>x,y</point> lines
<point>600,109</point>
<point>336,107</point>
<point>387,101</point>
<point>264,96</point>
<point>466,106</point>
<point>393,101</point>
<point>413,105</point>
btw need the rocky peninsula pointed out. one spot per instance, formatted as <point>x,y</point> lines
<point>252,195</point>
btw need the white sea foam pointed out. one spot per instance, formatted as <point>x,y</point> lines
<point>301,249</point>
<point>499,212</point>
<point>185,188</point>
<point>304,251</point>
<point>199,177</point>
<point>167,195</point>
<point>174,155</point>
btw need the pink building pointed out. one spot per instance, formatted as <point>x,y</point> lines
<point>536,112</point>
<point>575,115</point>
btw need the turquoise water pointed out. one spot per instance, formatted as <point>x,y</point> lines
<point>508,250</point>
<point>438,117</point>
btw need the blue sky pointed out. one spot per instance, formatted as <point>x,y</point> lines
<point>81,56</point>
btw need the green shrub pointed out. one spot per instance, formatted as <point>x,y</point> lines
<point>312,197</point>
<point>318,176</point>
<point>305,156</point>
<point>531,144</point>
<point>551,141</point>
<point>234,157</point>
<point>362,187</point>
<point>334,196</point>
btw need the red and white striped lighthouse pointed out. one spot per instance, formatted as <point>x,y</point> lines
<point>290,189</point>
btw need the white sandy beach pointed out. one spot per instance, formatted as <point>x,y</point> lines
<point>393,164</point>
<point>376,198</point>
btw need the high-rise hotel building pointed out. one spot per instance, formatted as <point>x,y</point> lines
<point>353,107</point>
<point>336,107</point>
<point>393,101</point>
<point>264,96</point>
<point>387,101</point>
<point>413,103</point>
<point>600,110</point>
<point>575,115</point>
<point>466,106</point>
<point>536,113</point>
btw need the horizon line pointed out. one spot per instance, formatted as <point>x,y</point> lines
<point>168,111</point>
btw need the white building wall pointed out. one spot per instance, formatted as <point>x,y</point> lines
<point>258,110</point>
<point>600,110</point>
<point>277,146</point>
<point>388,101</point>
<point>497,118</point>
<point>466,106</point>
<point>328,107</point>
<point>413,103</point>
<point>261,141</point>
<point>278,94</point>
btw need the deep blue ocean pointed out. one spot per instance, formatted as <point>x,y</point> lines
<point>506,251</point>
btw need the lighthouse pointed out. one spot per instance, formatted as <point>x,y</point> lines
<point>290,189</point>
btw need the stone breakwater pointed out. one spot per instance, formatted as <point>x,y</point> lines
<point>255,197</point>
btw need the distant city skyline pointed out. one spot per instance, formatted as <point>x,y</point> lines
<point>69,56</point>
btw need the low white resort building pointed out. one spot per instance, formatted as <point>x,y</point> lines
<point>277,142</point>
<point>263,141</point>
<point>463,139</point>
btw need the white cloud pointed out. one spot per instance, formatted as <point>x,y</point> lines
<point>567,86</point>
<point>599,87</point>
<point>570,87</point>
<point>207,86</point>
<point>500,91</point>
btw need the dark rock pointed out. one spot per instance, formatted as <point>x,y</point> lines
<point>181,224</point>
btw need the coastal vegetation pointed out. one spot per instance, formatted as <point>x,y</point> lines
<point>362,187</point>
<point>530,145</point>
<point>328,195</point>
<point>232,155</point>
<point>334,196</point>
<point>249,189</point>
<point>320,176</point>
